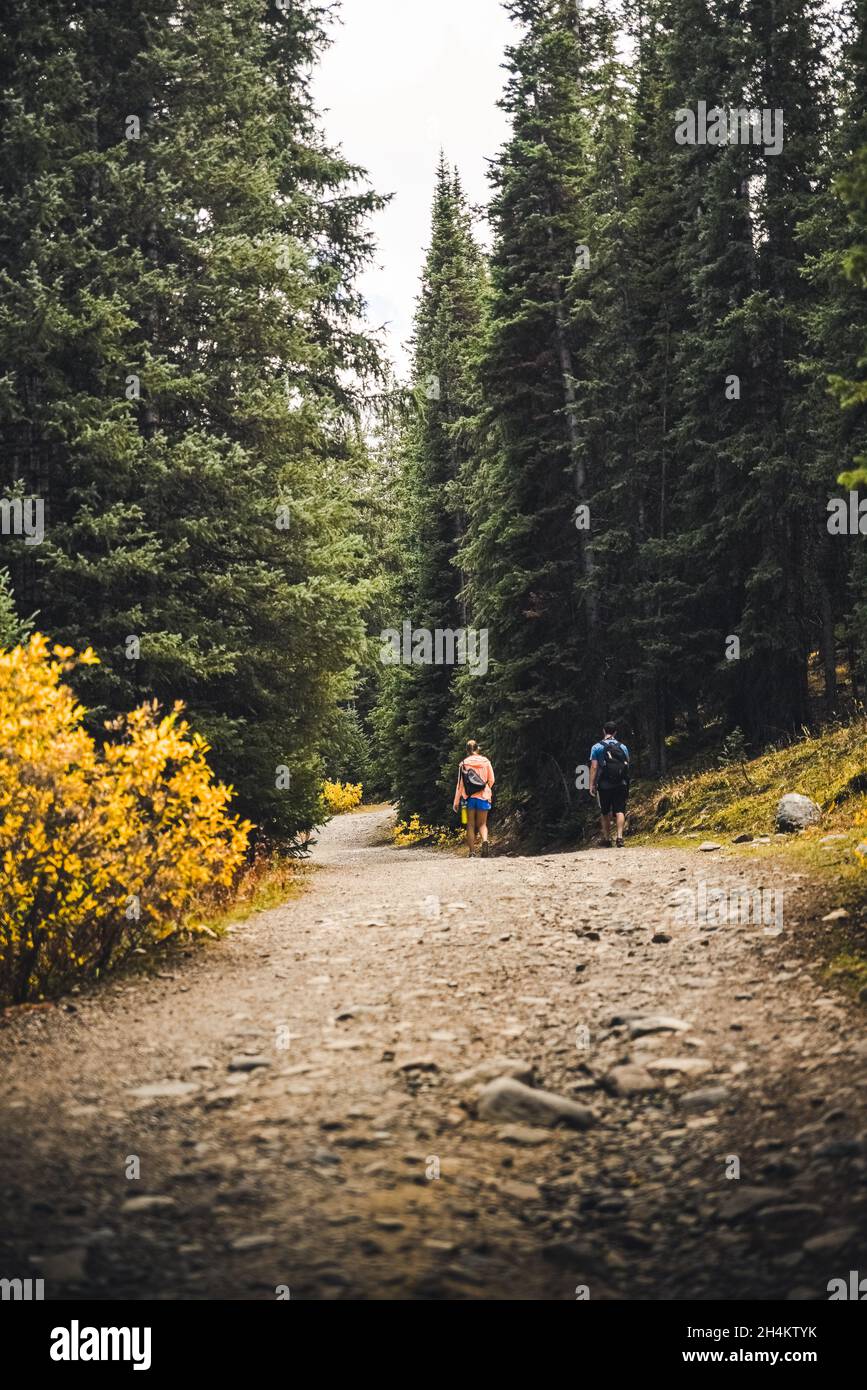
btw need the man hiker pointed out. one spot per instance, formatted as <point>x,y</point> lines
<point>609,776</point>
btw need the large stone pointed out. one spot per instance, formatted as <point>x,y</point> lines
<point>630,1080</point>
<point>507,1099</point>
<point>796,812</point>
<point>745,1200</point>
<point>705,1098</point>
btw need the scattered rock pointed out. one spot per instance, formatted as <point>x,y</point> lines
<point>220,1100</point>
<point>786,1212</point>
<point>641,1024</point>
<point>708,846</point>
<point>509,1099</point>
<point>243,1064</point>
<point>326,1157</point>
<point>689,1066</point>
<point>660,938</point>
<point>831,1241</point>
<point>747,1200</point>
<point>497,1066</point>
<point>834,1116</point>
<point>251,1242</point>
<point>523,1134</point>
<point>838,915</point>
<point>630,1080</point>
<point>521,1191</point>
<point>796,812</point>
<point>705,1098</point>
<point>418,1064</point>
<point>66,1266</point>
<point>742,839</point>
<point>164,1090</point>
<point>133,1205</point>
<point>838,1148</point>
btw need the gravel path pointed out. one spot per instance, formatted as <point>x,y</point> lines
<point>294,1103</point>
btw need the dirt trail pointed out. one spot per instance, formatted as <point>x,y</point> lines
<point>327,1163</point>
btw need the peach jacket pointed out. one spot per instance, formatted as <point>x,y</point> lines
<point>483,767</point>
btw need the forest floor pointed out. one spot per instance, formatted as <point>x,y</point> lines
<point>295,1096</point>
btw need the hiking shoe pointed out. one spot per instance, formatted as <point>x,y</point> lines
<point>620,843</point>
<point>606,844</point>
<point>485,849</point>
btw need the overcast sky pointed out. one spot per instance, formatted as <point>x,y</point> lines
<point>402,78</point>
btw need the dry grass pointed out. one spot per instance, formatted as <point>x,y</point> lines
<point>831,769</point>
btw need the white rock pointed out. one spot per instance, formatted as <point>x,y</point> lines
<point>163,1090</point>
<point>508,1099</point>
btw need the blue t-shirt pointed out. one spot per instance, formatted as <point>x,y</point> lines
<point>597,754</point>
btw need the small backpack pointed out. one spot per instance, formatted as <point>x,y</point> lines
<point>615,770</point>
<point>473,781</point>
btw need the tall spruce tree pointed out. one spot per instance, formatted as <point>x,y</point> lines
<point>835,238</point>
<point>177,327</point>
<point>779,511</point>
<point>529,556</point>
<point>437,448</point>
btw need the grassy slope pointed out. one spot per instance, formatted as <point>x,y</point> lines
<point>832,769</point>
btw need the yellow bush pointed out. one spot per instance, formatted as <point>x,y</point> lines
<point>412,832</point>
<point>101,850</point>
<point>341,796</point>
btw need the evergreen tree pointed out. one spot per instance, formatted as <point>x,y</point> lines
<point>780,510</point>
<point>447,322</point>
<point>529,557</point>
<point>177,327</point>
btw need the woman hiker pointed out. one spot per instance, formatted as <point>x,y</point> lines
<point>475,787</point>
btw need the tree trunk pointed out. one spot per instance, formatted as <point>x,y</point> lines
<point>575,451</point>
<point>829,650</point>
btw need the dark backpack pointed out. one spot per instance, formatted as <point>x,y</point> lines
<point>474,782</point>
<point>615,770</point>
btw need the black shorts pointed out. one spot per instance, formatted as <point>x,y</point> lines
<point>612,799</point>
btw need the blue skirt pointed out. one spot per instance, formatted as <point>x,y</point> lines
<point>475,803</point>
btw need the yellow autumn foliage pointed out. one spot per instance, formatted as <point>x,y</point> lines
<point>103,849</point>
<point>412,832</point>
<point>341,796</point>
